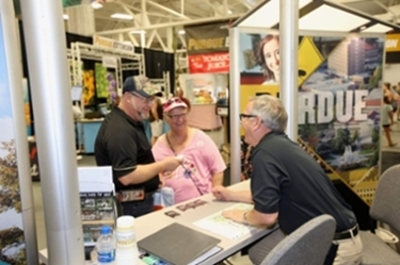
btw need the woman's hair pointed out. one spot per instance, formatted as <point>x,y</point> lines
<point>271,111</point>
<point>386,100</point>
<point>186,101</point>
<point>159,111</point>
<point>260,55</point>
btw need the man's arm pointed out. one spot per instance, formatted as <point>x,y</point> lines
<point>224,194</point>
<point>252,217</point>
<point>256,218</point>
<point>143,173</point>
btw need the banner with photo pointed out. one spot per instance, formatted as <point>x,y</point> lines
<point>12,243</point>
<point>339,99</point>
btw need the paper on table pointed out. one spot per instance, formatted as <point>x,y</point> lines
<point>220,225</point>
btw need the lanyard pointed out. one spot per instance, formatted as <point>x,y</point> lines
<point>188,172</point>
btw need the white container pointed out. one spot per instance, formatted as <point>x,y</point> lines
<point>126,248</point>
<point>125,233</point>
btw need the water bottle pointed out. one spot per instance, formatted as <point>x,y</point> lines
<point>105,247</point>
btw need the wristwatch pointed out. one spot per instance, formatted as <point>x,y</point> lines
<point>245,217</point>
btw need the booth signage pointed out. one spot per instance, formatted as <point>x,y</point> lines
<point>392,43</point>
<point>209,63</point>
<point>12,243</point>
<point>113,44</point>
<point>109,61</point>
<point>338,108</point>
<point>207,38</point>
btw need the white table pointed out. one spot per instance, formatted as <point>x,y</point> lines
<point>151,223</point>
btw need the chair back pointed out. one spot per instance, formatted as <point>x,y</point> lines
<point>385,206</point>
<point>309,244</point>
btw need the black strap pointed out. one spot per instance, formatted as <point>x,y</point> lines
<point>190,176</point>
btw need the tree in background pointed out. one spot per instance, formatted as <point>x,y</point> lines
<point>9,192</point>
<point>12,245</point>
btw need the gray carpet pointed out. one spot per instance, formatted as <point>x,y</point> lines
<point>389,159</point>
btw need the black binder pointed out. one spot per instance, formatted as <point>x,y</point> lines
<point>178,244</point>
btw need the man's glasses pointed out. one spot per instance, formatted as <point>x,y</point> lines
<point>145,100</point>
<point>176,117</point>
<point>242,116</point>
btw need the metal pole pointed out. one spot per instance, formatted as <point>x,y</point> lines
<point>51,98</point>
<point>13,63</point>
<point>288,34</point>
<point>234,103</point>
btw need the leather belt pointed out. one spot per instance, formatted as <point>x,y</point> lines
<point>352,232</point>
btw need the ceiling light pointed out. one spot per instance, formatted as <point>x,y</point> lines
<point>363,27</point>
<point>96,5</point>
<point>181,32</point>
<point>378,28</point>
<point>138,32</point>
<point>229,12</point>
<point>66,17</point>
<point>122,16</point>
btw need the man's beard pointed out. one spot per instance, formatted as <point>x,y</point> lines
<point>144,116</point>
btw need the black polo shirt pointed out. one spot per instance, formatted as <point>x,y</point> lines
<point>122,143</point>
<point>287,180</point>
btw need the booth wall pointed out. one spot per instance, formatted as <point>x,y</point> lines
<point>339,99</point>
<point>12,243</point>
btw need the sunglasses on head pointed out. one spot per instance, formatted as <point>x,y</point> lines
<point>171,101</point>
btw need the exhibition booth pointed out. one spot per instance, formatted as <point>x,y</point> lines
<point>336,114</point>
<point>340,68</point>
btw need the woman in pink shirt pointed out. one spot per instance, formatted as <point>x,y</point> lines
<point>202,166</point>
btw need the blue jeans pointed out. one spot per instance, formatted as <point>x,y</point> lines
<point>138,208</point>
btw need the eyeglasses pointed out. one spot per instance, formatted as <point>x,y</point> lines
<point>242,116</point>
<point>145,100</point>
<point>177,117</point>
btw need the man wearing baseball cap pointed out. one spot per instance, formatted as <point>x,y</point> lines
<point>122,143</point>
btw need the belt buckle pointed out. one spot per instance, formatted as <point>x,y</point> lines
<point>131,195</point>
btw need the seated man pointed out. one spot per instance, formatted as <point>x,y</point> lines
<point>287,186</point>
<point>121,143</point>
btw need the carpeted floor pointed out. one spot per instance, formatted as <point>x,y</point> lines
<point>389,159</point>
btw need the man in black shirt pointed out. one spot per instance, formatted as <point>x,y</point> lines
<point>121,143</point>
<point>287,186</point>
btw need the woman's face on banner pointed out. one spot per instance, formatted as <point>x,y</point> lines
<point>271,56</point>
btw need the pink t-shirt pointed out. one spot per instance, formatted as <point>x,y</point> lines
<point>202,160</point>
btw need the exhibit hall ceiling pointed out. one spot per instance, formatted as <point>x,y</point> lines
<point>159,23</point>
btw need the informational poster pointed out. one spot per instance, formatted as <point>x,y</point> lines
<point>339,99</point>
<point>12,243</point>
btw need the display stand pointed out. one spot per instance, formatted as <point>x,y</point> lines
<point>88,128</point>
<point>98,206</point>
<point>163,84</point>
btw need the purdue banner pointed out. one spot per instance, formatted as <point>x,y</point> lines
<point>208,48</point>
<point>339,99</point>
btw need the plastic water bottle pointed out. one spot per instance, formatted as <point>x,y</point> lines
<point>105,247</point>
